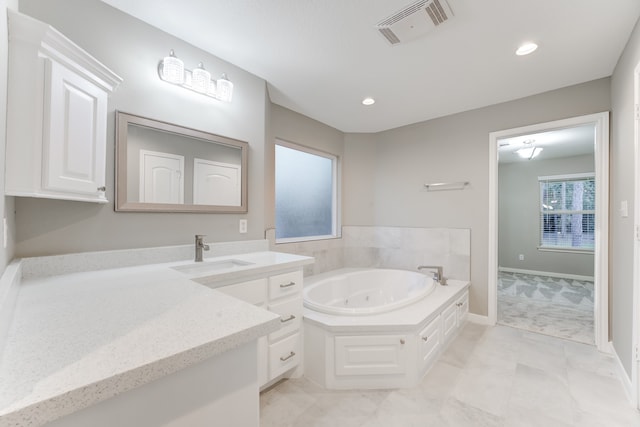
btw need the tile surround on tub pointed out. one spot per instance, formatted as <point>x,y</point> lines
<point>408,247</point>
<point>91,261</point>
<point>388,247</point>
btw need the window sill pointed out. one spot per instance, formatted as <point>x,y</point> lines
<point>566,250</point>
<point>305,239</point>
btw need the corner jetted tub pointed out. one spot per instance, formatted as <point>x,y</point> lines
<point>365,291</point>
<point>378,328</point>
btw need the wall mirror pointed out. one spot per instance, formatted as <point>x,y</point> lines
<point>162,167</point>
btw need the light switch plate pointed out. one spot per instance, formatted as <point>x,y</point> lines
<point>624,209</point>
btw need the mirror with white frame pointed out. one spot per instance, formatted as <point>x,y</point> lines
<point>163,167</point>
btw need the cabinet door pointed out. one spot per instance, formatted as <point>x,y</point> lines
<point>463,308</point>
<point>254,291</point>
<point>449,321</point>
<point>370,355</point>
<point>429,342</point>
<point>74,133</point>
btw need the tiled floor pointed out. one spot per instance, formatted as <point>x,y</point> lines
<point>548,305</point>
<point>489,376</point>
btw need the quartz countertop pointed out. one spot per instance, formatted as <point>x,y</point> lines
<point>77,339</point>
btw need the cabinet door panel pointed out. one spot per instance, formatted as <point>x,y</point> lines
<point>254,291</point>
<point>449,321</point>
<point>430,342</point>
<point>370,355</point>
<point>74,134</point>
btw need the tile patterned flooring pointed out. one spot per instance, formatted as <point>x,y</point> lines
<point>489,376</point>
<point>548,305</point>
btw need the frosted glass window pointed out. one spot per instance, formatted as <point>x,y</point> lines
<point>567,211</point>
<point>305,194</point>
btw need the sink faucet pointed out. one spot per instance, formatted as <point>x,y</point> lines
<point>200,246</point>
<point>437,274</point>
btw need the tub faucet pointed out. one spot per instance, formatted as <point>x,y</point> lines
<point>437,274</point>
<point>200,246</point>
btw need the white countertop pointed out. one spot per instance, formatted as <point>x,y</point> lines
<point>80,338</point>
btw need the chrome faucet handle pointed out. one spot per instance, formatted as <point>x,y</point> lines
<point>437,273</point>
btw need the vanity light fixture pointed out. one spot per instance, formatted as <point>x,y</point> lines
<point>368,101</point>
<point>171,70</point>
<point>526,49</point>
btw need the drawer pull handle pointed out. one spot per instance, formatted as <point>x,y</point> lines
<point>425,339</point>
<point>287,285</point>
<point>401,340</point>
<point>284,359</point>
<point>103,188</point>
<point>287,319</point>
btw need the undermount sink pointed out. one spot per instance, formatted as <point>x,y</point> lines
<point>211,266</point>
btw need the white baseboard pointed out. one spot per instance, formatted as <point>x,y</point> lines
<point>477,318</point>
<point>546,273</point>
<point>624,378</point>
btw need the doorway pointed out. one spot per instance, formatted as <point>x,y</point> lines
<point>599,124</point>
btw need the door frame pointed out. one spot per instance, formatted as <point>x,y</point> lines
<point>635,363</point>
<point>601,251</point>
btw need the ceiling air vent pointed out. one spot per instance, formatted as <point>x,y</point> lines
<point>414,20</point>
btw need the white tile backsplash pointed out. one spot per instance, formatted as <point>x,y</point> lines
<point>387,247</point>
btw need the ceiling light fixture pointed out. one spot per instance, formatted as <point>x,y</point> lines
<point>529,152</point>
<point>526,49</point>
<point>171,70</point>
<point>368,101</point>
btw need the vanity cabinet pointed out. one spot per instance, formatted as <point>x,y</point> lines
<point>280,352</point>
<point>56,115</point>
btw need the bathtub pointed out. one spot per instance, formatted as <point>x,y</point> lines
<point>362,291</point>
<point>378,328</point>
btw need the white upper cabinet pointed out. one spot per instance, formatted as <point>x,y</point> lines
<point>56,115</point>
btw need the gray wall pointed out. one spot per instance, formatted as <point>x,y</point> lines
<point>454,148</point>
<point>519,216</point>
<point>622,188</point>
<point>132,49</point>
<point>6,203</point>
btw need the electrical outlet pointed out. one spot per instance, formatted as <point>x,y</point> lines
<point>243,226</point>
<point>521,257</point>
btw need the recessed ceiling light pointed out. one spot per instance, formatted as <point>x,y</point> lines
<point>526,49</point>
<point>368,101</point>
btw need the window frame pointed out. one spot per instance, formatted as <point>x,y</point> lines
<point>562,178</point>
<point>336,229</point>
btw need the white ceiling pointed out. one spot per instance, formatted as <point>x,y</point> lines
<point>567,142</point>
<point>322,57</point>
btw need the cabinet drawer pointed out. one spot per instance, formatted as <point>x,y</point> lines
<point>285,284</point>
<point>284,355</point>
<point>253,292</point>
<point>429,341</point>
<point>290,312</point>
<point>370,355</point>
